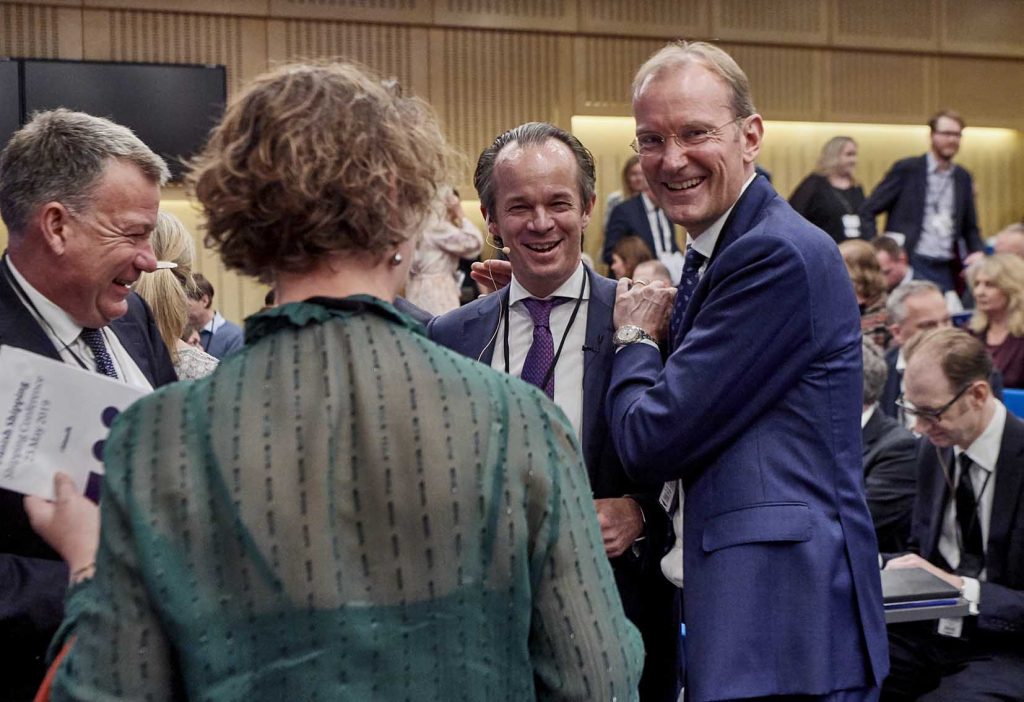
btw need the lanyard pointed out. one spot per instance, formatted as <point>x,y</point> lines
<point>565,334</point>
<point>947,473</point>
<point>27,301</point>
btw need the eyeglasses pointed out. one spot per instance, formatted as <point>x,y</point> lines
<point>930,415</point>
<point>650,143</point>
<point>955,135</point>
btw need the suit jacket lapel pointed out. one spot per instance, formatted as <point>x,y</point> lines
<point>17,325</point>
<point>942,470</point>
<point>1009,479</point>
<point>479,329</point>
<point>597,359</point>
<point>872,431</point>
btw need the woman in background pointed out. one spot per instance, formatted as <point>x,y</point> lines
<point>869,286</point>
<point>448,236</point>
<point>627,253</point>
<point>997,283</point>
<point>165,291</point>
<point>633,183</point>
<point>830,197</point>
<point>342,510</point>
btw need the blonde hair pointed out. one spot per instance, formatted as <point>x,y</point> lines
<point>164,290</point>
<point>1006,271</point>
<point>829,157</point>
<point>682,53</point>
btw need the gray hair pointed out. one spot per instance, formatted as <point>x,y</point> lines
<point>533,134</point>
<point>896,306</point>
<point>681,53</point>
<point>61,156</point>
<point>876,371</point>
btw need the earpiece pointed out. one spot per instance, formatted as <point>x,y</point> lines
<point>493,243</point>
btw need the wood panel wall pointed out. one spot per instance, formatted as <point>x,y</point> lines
<point>487,65</point>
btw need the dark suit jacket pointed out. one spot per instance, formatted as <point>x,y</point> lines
<point>629,218</point>
<point>901,195</point>
<point>34,578</point>
<point>1002,595</point>
<point>891,391</point>
<point>757,411</point>
<point>890,479</point>
<point>647,597</point>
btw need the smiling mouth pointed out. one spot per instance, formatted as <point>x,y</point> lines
<point>542,247</point>
<point>685,185</point>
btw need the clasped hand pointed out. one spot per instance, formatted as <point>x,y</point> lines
<point>645,305</point>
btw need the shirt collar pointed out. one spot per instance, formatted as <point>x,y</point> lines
<point>54,317</point>
<point>570,288</point>
<point>706,241</point>
<point>866,415</point>
<point>649,205</point>
<point>215,323</point>
<point>984,451</point>
<point>933,165</point>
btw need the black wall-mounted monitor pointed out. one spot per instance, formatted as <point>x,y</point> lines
<point>10,100</point>
<point>170,107</point>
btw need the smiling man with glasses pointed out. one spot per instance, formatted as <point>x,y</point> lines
<point>755,415</point>
<point>930,201</point>
<point>968,527</point>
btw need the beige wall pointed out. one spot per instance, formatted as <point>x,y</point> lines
<point>487,66</point>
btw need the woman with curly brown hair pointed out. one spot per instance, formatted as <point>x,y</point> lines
<point>869,286</point>
<point>998,286</point>
<point>343,510</point>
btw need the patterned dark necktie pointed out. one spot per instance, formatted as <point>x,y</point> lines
<point>93,338</point>
<point>972,552</point>
<point>542,352</point>
<point>687,284</point>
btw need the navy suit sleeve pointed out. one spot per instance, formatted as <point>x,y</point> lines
<point>618,227</point>
<point>31,608</point>
<point>753,332</point>
<point>882,199</point>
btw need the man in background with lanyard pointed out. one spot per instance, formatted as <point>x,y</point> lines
<point>79,196</point>
<point>930,201</point>
<point>552,327</point>
<point>968,527</point>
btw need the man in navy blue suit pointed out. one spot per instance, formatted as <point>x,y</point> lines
<point>536,184</point>
<point>930,201</point>
<point>640,216</point>
<point>79,196</point>
<point>755,413</point>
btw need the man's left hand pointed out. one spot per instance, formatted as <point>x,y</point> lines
<point>621,523</point>
<point>912,560</point>
<point>645,305</point>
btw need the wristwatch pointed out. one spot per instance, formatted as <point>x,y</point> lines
<point>630,334</point>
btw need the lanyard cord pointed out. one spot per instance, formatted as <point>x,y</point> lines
<point>565,334</point>
<point>27,301</point>
<point>947,474</point>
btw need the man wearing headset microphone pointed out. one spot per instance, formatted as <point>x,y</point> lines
<point>552,327</point>
<point>967,529</point>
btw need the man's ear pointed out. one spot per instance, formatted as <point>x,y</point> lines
<point>588,210</point>
<point>752,134</point>
<point>207,301</point>
<point>894,329</point>
<point>55,224</point>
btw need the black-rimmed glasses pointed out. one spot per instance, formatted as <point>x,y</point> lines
<point>927,414</point>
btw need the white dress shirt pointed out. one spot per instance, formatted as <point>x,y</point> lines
<point>672,562</point>
<point>569,365</point>
<point>65,334</point>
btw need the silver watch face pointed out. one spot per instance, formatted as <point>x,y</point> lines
<point>627,334</point>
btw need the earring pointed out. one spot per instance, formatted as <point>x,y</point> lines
<point>396,259</point>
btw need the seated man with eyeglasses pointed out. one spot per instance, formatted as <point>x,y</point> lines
<point>968,528</point>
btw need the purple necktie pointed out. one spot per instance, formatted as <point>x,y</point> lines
<point>542,352</point>
<point>687,284</point>
<point>93,338</point>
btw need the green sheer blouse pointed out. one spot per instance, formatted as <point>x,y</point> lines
<point>346,511</point>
